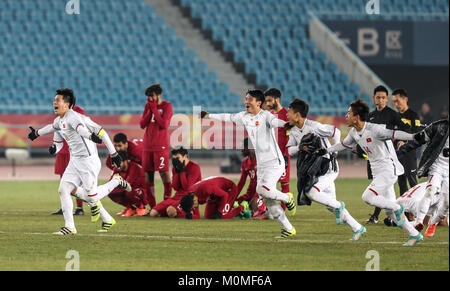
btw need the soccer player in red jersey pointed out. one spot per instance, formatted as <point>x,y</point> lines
<point>248,169</point>
<point>133,148</point>
<point>272,101</point>
<point>62,160</point>
<point>185,173</point>
<point>155,157</point>
<point>218,193</point>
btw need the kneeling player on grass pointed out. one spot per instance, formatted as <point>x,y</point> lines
<point>250,199</point>
<point>218,193</point>
<point>383,162</point>
<point>185,173</point>
<point>324,190</point>
<point>81,134</point>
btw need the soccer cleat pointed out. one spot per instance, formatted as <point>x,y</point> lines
<point>413,240</point>
<point>372,219</point>
<point>95,211</point>
<point>141,211</point>
<point>106,226</point>
<point>286,233</point>
<point>130,212</point>
<point>59,212</point>
<point>340,213</point>
<point>246,213</point>
<point>65,231</point>
<point>358,234</point>
<point>430,230</point>
<point>291,207</point>
<point>419,227</point>
<point>122,213</point>
<point>122,183</point>
<point>78,211</point>
<point>399,215</point>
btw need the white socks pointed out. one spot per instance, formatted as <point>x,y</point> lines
<point>278,214</point>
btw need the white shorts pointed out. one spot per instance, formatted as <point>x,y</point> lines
<point>83,172</point>
<point>383,184</point>
<point>269,175</point>
<point>326,185</point>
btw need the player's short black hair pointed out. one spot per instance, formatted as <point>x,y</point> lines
<point>68,96</point>
<point>300,106</point>
<point>402,92</point>
<point>187,202</point>
<point>179,150</point>
<point>274,92</point>
<point>155,88</point>
<point>380,88</point>
<point>120,137</point>
<point>257,94</point>
<point>360,108</point>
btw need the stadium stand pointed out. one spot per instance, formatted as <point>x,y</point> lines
<point>269,40</point>
<point>109,54</point>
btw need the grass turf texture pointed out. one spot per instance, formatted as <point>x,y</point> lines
<point>144,243</point>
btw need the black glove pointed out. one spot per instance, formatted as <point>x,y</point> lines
<point>287,126</point>
<point>445,152</point>
<point>420,137</point>
<point>189,215</point>
<point>95,138</point>
<point>52,149</point>
<point>116,160</point>
<point>177,165</point>
<point>286,160</point>
<point>321,152</point>
<point>33,134</point>
<point>203,114</point>
<point>217,215</point>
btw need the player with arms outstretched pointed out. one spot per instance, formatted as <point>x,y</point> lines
<point>80,133</point>
<point>260,125</point>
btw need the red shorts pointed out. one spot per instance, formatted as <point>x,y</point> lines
<point>155,161</point>
<point>287,173</point>
<point>61,162</point>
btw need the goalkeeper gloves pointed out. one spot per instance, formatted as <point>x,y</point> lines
<point>116,160</point>
<point>33,134</point>
<point>52,149</point>
<point>95,138</point>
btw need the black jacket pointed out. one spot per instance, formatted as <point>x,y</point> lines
<point>437,133</point>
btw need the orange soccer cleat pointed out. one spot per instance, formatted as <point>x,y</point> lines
<point>122,213</point>
<point>130,212</point>
<point>430,230</point>
<point>141,211</point>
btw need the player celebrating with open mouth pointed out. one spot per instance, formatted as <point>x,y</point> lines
<point>81,134</point>
<point>260,125</point>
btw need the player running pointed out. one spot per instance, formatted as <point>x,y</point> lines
<point>383,162</point>
<point>260,125</point>
<point>156,120</point>
<point>324,190</point>
<point>80,133</point>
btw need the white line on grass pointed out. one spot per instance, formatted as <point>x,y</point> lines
<point>220,239</point>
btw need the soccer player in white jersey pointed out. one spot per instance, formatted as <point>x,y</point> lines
<point>324,191</point>
<point>260,125</point>
<point>80,133</point>
<point>383,162</point>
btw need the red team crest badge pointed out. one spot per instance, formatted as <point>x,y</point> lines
<point>369,139</point>
<point>256,123</point>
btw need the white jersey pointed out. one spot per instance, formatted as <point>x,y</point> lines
<point>79,147</point>
<point>376,142</point>
<point>440,165</point>
<point>324,131</point>
<point>411,199</point>
<point>260,129</point>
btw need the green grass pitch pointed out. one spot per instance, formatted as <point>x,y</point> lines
<point>144,243</point>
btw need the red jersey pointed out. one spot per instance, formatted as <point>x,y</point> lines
<point>181,182</point>
<point>134,175</point>
<point>283,134</point>
<point>65,149</point>
<point>213,188</point>
<point>156,121</point>
<point>134,152</point>
<point>248,169</point>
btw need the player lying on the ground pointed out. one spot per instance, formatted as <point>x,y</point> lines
<point>248,169</point>
<point>411,200</point>
<point>185,173</point>
<point>218,193</point>
<point>132,198</point>
<point>260,125</point>
<point>321,188</point>
<point>81,134</point>
<point>61,149</point>
<point>434,164</point>
<point>383,162</point>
